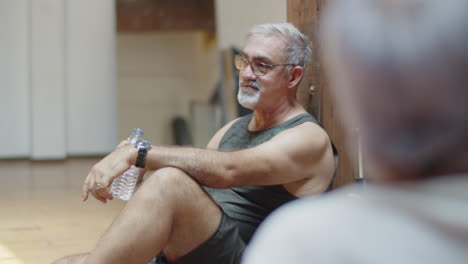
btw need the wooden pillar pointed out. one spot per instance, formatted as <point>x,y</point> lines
<point>314,92</point>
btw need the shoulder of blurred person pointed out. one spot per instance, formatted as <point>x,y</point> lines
<point>411,223</point>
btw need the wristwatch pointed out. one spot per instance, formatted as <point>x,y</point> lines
<point>142,147</point>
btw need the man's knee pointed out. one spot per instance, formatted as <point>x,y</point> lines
<point>166,177</point>
<point>167,182</point>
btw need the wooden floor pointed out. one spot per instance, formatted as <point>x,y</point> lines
<point>42,216</point>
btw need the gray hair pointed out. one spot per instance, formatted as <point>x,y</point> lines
<point>406,63</point>
<point>297,50</point>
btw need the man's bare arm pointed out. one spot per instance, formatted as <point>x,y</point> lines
<point>290,156</point>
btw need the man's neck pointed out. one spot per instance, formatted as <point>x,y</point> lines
<point>264,119</point>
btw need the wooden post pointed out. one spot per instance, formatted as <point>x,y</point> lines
<point>314,93</point>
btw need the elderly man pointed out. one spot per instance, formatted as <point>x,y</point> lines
<point>251,166</point>
<point>399,72</point>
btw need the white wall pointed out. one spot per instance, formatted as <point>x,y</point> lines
<point>57,78</point>
<point>47,71</point>
<point>91,77</point>
<point>235,18</point>
<point>14,79</point>
<point>160,76</point>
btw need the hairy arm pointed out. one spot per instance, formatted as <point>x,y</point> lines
<point>288,157</point>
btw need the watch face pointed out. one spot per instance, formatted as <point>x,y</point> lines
<point>143,147</point>
<point>143,143</point>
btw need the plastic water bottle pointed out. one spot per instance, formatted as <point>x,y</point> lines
<point>123,186</point>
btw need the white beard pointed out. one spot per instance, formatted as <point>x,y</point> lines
<point>248,97</point>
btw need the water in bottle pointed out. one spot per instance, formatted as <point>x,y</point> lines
<point>123,186</point>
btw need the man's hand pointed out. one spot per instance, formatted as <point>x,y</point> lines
<point>105,171</point>
<point>124,142</point>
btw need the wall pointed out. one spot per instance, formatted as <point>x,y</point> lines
<point>235,18</point>
<point>161,75</point>
<point>14,79</point>
<point>47,78</point>
<point>57,78</point>
<point>90,77</point>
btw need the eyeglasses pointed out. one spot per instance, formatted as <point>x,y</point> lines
<point>258,68</point>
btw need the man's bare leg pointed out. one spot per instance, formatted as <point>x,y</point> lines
<point>170,212</point>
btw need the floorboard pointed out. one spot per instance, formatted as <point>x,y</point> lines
<point>42,216</point>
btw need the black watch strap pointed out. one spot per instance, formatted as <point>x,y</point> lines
<point>141,156</point>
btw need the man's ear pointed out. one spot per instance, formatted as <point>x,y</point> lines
<point>295,76</point>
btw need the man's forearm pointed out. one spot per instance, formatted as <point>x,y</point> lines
<point>209,167</point>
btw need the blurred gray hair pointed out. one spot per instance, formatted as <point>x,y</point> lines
<point>297,50</point>
<point>407,65</point>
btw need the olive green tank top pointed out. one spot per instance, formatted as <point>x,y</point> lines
<point>249,205</point>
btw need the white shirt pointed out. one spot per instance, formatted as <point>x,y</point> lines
<point>412,223</point>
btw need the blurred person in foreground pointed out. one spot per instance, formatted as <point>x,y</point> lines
<point>399,72</point>
<point>252,166</point>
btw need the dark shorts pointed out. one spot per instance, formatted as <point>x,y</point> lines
<point>225,246</point>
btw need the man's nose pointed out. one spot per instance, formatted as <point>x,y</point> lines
<point>247,73</point>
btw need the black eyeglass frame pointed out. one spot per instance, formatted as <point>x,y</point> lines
<point>241,57</point>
